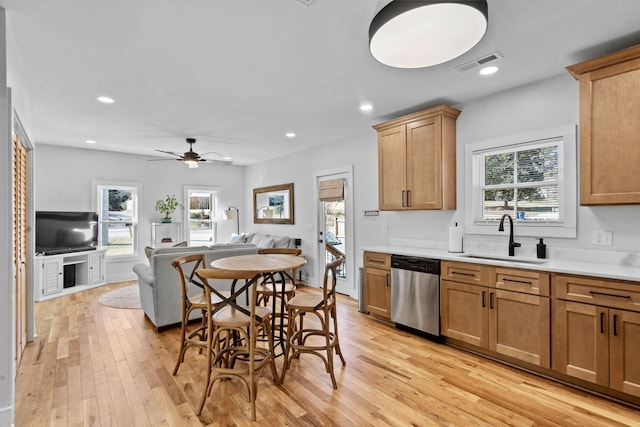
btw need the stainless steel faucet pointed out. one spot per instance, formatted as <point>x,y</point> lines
<point>512,244</point>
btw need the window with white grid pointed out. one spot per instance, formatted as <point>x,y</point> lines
<point>531,179</point>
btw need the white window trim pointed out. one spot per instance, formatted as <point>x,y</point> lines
<point>94,202</point>
<point>216,209</point>
<point>566,227</point>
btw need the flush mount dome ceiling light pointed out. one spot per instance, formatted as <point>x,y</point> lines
<point>416,34</point>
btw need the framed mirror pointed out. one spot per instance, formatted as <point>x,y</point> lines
<point>273,205</point>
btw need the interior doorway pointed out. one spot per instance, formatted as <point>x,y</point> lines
<point>335,226</point>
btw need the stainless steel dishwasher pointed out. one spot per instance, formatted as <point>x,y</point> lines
<point>415,293</point>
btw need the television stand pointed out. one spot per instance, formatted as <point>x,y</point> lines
<point>63,274</point>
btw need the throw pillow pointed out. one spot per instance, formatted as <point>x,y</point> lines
<point>266,242</point>
<point>281,241</point>
<point>236,238</point>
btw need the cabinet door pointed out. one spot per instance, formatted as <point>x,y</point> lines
<point>392,165</point>
<point>581,341</point>
<point>464,312</point>
<point>519,326</point>
<point>96,269</point>
<point>609,152</point>
<point>377,287</point>
<point>624,339</point>
<point>51,279</point>
<point>424,164</point>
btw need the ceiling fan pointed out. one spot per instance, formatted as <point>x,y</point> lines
<point>191,158</point>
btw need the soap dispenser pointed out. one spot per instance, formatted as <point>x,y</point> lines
<point>541,249</point>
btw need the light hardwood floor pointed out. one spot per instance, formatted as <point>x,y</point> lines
<point>99,366</point>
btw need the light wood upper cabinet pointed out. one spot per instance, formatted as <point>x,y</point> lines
<point>417,161</point>
<point>609,128</point>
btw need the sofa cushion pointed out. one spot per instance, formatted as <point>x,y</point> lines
<point>266,242</point>
<point>281,241</point>
<point>236,238</point>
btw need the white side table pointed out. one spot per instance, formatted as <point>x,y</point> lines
<point>165,234</point>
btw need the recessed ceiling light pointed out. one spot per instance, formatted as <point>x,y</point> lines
<point>105,100</point>
<point>290,135</point>
<point>366,107</point>
<point>488,70</point>
<point>90,141</point>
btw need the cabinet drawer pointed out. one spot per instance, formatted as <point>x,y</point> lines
<point>607,293</point>
<point>474,274</point>
<point>377,260</point>
<point>529,282</point>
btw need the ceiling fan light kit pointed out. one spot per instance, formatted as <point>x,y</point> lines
<point>417,34</point>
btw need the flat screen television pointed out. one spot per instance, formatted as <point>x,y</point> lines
<point>63,232</point>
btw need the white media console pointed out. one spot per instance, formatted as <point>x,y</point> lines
<point>64,274</point>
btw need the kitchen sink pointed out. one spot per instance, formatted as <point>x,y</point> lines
<point>521,259</point>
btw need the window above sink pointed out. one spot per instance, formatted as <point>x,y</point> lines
<point>531,177</point>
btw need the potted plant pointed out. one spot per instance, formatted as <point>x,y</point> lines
<point>167,206</point>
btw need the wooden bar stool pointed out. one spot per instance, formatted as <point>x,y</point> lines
<point>200,300</point>
<point>239,357</point>
<point>322,341</point>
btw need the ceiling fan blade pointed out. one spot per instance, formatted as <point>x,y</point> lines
<point>218,162</point>
<point>160,160</point>
<point>170,152</point>
<point>212,152</point>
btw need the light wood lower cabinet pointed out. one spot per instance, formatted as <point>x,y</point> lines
<point>593,342</point>
<point>510,323</point>
<point>377,284</point>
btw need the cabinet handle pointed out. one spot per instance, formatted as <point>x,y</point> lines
<point>388,281</point>
<point>610,295</point>
<point>602,323</point>
<point>408,198</point>
<point>491,300</point>
<point>525,282</point>
<point>463,274</point>
<point>484,294</point>
<point>376,261</point>
<point>615,327</point>
<point>403,198</point>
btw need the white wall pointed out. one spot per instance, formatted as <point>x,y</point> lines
<point>546,104</point>
<point>64,176</point>
<point>12,76</point>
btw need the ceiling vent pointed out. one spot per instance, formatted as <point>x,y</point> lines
<point>479,62</point>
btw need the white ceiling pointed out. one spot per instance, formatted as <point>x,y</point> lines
<point>239,74</point>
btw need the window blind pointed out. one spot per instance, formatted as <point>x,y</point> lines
<point>331,190</point>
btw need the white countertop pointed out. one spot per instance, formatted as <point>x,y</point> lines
<point>609,271</point>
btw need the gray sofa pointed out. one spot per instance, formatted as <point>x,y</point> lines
<point>159,283</point>
<point>264,240</point>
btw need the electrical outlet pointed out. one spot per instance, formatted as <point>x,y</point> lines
<point>385,230</point>
<point>603,238</point>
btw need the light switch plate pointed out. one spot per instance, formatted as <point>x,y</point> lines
<point>603,238</point>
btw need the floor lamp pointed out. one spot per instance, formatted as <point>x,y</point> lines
<point>231,213</point>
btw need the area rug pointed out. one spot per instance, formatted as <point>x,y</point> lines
<point>127,297</point>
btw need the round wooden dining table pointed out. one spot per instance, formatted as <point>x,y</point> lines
<point>268,266</point>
